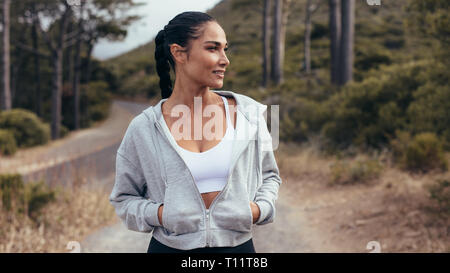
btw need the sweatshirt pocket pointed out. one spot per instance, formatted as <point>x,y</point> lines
<point>180,213</point>
<point>233,214</point>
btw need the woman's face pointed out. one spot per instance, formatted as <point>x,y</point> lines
<point>207,60</point>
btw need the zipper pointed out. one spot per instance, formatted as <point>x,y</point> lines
<point>231,169</point>
<point>192,180</point>
<point>226,186</point>
<point>207,211</point>
<point>207,227</point>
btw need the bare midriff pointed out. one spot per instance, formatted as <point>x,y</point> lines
<point>208,197</point>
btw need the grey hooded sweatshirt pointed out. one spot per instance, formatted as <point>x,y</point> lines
<point>150,171</point>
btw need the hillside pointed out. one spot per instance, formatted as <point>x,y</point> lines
<point>379,34</point>
<point>392,74</point>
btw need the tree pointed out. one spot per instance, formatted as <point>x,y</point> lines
<point>335,36</point>
<point>89,29</point>
<point>266,41</point>
<point>284,22</point>
<point>280,18</point>
<point>346,41</point>
<point>310,10</point>
<point>276,42</point>
<point>6,88</point>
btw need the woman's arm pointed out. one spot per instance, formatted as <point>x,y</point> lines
<point>128,197</point>
<point>267,193</point>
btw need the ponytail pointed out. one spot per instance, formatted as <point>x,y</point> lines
<point>162,65</point>
<point>180,30</point>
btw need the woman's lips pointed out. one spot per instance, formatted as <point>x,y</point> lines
<point>219,74</point>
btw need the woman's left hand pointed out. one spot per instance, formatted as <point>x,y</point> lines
<point>255,211</point>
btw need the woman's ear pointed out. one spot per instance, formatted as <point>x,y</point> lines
<point>179,53</point>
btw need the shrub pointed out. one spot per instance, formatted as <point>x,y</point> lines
<point>371,58</point>
<point>319,31</point>
<point>11,187</point>
<point>422,152</point>
<point>27,128</point>
<point>425,152</point>
<point>36,196</point>
<point>8,144</point>
<point>24,198</point>
<point>440,192</point>
<point>97,99</point>
<point>410,97</point>
<point>359,171</point>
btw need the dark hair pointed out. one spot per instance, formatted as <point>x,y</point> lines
<point>180,30</point>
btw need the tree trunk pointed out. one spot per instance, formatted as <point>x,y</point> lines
<point>266,42</point>
<point>335,36</point>
<point>6,92</point>
<point>57,76</point>
<point>307,49</point>
<point>346,47</point>
<point>69,57</point>
<point>284,20</point>
<point>37,75</point>
<point>276,55</point>
<point>77,72</point>
<point>57,62</point>
<point>87,73</point>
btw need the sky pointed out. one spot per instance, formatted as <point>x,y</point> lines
<point>155,15</point>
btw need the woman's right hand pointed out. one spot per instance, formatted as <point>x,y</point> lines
<point>160,211</point>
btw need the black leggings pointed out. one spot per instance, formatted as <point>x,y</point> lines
<point>157,247</point>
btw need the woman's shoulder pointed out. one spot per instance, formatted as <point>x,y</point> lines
<point>243,99</point>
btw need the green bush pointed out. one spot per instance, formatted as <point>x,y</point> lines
<point>24,198</point>
<point>423,152</point>
<point>319,31</point>
<point>440,192</point>
<point>359,171</point>
<point>97,100</point>
<point>430,109</point>
<point>8,144</point>
<point>11,187</point>
<point>27,128</point>
<point>371,57</point>
<point>410,97</point>
<point>140,86</point>
<point>36,196</point>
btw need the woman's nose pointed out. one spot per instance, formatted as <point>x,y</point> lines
<point>224,60</point>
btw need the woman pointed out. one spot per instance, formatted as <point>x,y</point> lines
<point>203,190</point>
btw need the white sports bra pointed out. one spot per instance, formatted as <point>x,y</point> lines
<point>210,168</point>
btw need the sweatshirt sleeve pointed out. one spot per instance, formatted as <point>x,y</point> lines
<point>267,193</point>
<point>128,197</point>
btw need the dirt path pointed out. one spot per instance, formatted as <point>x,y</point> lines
<point>76,144</point>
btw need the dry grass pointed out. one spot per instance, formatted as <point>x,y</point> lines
<point>395,208</point>
<point>77,211</point>
<point>295,160</point>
